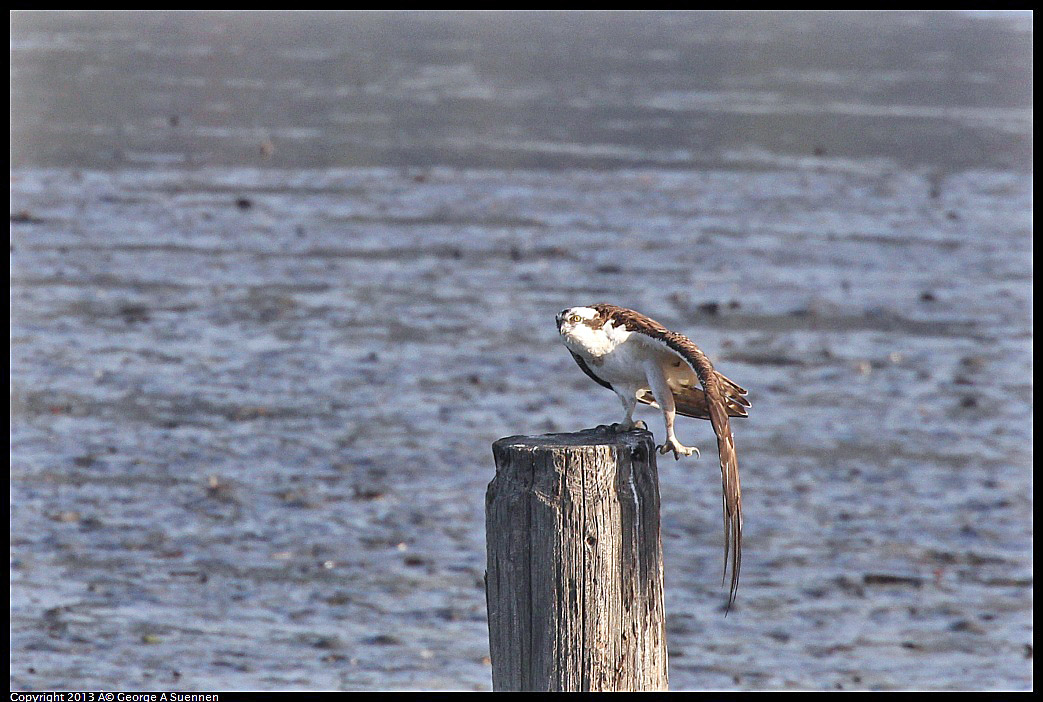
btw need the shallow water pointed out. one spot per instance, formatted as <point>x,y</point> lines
<point>278,282</point>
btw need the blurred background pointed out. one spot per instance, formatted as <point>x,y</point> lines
<point>278,280</point>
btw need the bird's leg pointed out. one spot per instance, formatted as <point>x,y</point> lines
<point>672,444</point>
<point>665,399</point>
<point>629,400</point>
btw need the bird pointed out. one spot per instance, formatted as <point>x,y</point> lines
<point>642,361</point>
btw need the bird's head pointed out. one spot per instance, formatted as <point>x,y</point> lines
<point>570,319</point>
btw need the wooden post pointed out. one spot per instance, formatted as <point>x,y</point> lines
<point>574,585</point>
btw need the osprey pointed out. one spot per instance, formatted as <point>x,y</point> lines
<point>642,361</point>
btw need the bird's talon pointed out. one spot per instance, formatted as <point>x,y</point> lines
<point>679,449</point>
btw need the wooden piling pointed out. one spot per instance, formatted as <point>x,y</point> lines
<point>574,585</point>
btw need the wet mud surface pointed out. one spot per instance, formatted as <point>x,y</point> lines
<point>254,389</point>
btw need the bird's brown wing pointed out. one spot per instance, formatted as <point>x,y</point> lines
<point>716,389</point>
<point>691,402</point>
<point>716,401</point>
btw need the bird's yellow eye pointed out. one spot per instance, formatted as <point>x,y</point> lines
<point>574,318</point>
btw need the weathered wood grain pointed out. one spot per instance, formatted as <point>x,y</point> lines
<point>574,585</point>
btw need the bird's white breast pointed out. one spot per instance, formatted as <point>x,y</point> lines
<point>593,344</point>
<point>612,352</point>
